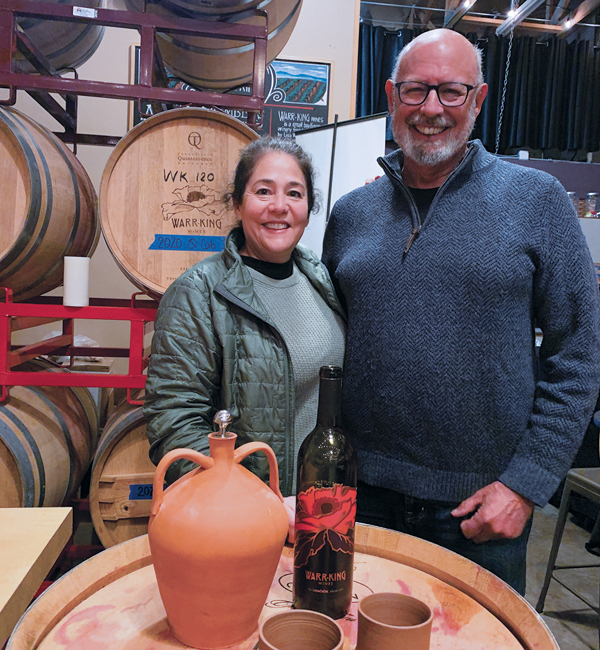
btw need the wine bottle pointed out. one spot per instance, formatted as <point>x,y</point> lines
<point>325,508</point>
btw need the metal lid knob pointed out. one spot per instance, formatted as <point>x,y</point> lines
<point>223,419</point>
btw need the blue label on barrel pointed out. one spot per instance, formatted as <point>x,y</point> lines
<point>140,492</point>
<point>187,243</point>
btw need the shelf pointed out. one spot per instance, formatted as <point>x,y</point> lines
<point>16,316</point>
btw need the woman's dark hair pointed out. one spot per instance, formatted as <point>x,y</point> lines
<point>250,157</point>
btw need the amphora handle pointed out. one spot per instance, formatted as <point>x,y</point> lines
<point>251,447</point>
<point>206,462</point>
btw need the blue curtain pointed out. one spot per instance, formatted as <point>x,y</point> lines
<point>550,99</point>
<point>377,52</point>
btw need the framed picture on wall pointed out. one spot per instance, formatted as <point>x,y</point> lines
<point>296,95</point>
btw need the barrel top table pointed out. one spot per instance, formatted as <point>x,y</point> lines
<point>112,600</point>
<point>31,539</point>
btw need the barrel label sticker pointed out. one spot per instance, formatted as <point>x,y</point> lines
<point>140,492</point>
<point>187,243</point>
<point>85,12</point>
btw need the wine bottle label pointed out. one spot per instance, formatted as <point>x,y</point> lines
<point>325,519</point>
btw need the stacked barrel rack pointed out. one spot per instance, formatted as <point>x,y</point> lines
<point>152,87</point>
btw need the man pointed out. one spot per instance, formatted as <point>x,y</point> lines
<point>447,264</point>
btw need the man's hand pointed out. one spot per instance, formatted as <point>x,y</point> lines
<point>290,508</point>
<point>499,513</point>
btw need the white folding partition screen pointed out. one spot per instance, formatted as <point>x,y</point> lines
<point>591,230</point>
<point>354,147</point>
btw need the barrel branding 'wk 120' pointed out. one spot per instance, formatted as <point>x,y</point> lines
<point>325,508</point>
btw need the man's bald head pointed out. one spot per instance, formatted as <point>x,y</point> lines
<point>445,39</point>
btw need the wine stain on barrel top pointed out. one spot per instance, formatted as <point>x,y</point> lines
<point>404,587</point>
<point>88,628</point>
<point>448,616</point>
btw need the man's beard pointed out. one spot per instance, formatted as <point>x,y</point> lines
<point>433,153</point>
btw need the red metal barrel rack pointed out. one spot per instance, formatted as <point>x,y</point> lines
<point>140,313</point>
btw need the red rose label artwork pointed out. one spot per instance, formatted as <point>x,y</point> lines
<point>324,516</point>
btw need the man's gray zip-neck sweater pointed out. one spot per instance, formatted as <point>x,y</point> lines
<point>442,392</point>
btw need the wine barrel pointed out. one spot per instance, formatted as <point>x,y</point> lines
<point>64,44</point>
<point>80,396</point>
<point>115,594</point>
<point>160,194</point>
<point>121,480</point>
<point>48,207</point>
<point>221,64</point>
<point>47,437</point>
<point>207,8</point>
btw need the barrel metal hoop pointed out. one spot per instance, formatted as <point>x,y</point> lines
<point>23,462</point>
<point>70,45</point>
<point>76,215</point>
<point>125,423</point>
<point>242,49</point>
<point>31,220</point>
<point>65,429</point>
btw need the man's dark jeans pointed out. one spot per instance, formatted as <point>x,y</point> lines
<point>432,521</point>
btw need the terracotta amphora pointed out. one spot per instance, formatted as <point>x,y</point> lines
<point>216,536</point>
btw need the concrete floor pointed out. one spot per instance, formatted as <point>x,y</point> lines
<point>573,624</point>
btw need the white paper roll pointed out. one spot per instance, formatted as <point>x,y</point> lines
<point>77,282</point>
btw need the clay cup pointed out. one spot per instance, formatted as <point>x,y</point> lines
<point>300,629</point>
<point>390,621</point>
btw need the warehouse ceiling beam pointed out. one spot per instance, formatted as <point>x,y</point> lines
<point>518,16</point>
<point>426,15</point>
<point>426,20</point>
<point>453,17</point>
<point>584,9</point>
<point>455,12</point>
<point>411,17</point>
<point>558,12</point>
<point>496,22</point>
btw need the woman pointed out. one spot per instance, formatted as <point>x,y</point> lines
<point>247,329</point>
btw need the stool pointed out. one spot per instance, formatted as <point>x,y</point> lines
<point>586,482</point>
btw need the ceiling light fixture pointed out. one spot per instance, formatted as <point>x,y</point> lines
<point>454,16</point>
<point>528,7</point>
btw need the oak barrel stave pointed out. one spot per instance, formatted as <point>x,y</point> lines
<point>47,440</point>
<point>40,436</point>
<point>121,478</point>
<point>64,44</point>
<point>206,8</point>
<point>221,64</point>
<point>49,207</point>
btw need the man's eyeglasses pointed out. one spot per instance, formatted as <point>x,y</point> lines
<point>415,93</point>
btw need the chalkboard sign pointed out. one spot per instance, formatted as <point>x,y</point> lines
<point>296,96</point>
